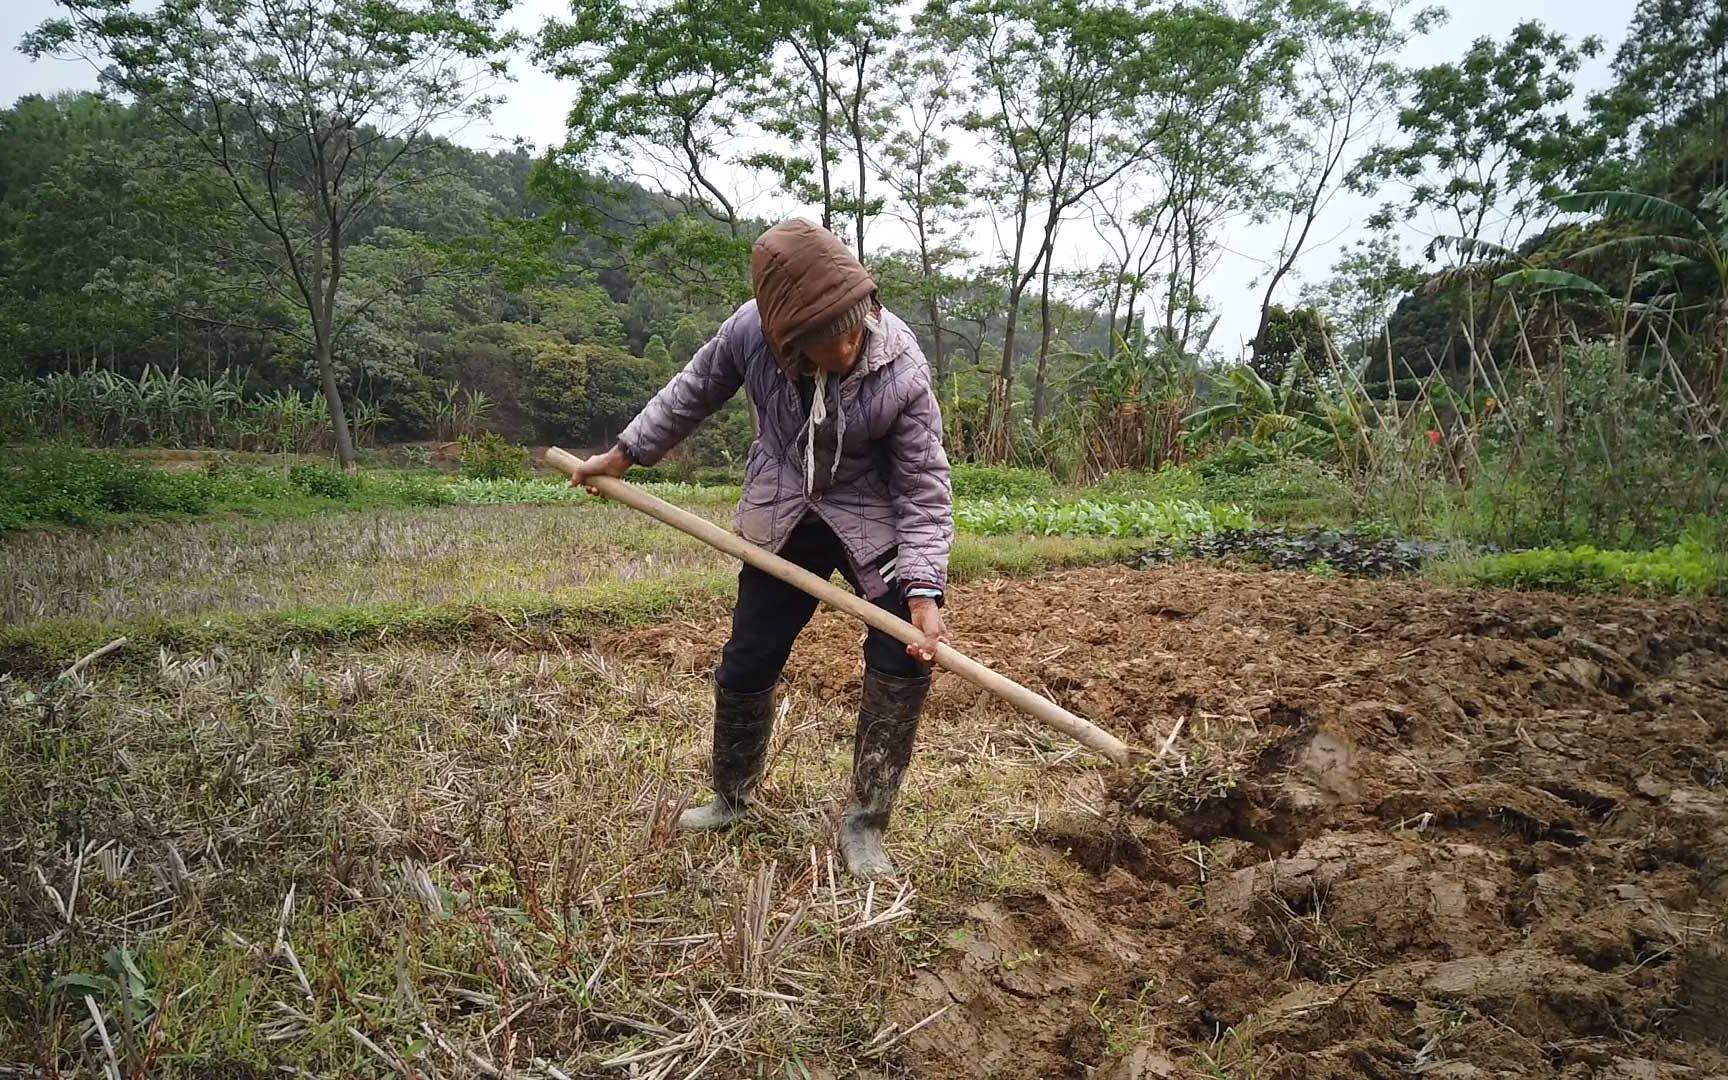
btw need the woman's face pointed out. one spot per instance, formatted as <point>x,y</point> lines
<point>836,355</point>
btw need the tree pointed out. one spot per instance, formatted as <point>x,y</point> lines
<point>618,384</point>
<point>820,101</point>
<point>316,113</point>
<point>111,250</point>
<point>913,157</point>
<point>1367,279</point>
<point>1345,81</point>
<point>1667,112</point>
<point>584,314</point>
<point>1484,138</point>
<point>660,86</point>
<point>1207,163</point>
<point>660,355</point>
<point>1297,338</point>
<point>1059,95</point>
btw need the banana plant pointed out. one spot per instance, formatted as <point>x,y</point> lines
<point>205,400</point>
<point>18,408</point>
<point>1679,236</point>
<point>1545,280</point>
<point>66,396</point>
<point>122,403</point>
<point>1264,411</point>
<point>1478,260</point>
<point>366,418</point>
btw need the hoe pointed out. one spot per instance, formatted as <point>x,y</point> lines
<point>1035,705</point>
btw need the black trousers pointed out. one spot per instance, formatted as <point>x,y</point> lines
<point>770,615</point>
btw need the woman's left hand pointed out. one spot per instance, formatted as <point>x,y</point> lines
<point>927,617</point>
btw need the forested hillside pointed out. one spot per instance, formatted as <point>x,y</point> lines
<point>965,149</point>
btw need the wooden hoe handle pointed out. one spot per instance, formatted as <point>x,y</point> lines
<point>1035,705</point>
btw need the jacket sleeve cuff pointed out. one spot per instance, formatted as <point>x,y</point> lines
<point>630,454</point>
<point>922,589</point>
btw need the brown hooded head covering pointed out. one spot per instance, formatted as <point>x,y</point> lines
<point>808,285</point>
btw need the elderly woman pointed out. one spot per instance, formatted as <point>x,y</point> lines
<point>847,473</point>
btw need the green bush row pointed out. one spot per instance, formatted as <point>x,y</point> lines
<point>1290,489</point>
<point>58,485</point>
<point>1686,569</point>
<point>702,476</point>
<point>997,482</point>
<point>1172,520</point>
<point>547,492</point>
<point>991,517</point>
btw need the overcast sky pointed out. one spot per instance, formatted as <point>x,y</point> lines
<point>537,103</point>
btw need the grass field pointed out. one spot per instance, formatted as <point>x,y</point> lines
<point>346,862</point>
<point>388,793</point>
<point>287,852</point>
<point>432,555</point>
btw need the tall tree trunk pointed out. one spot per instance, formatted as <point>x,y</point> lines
<point>1044,334</point>
<point>324,354</point>
<point>822,151</point>
<point>933,307</point>
<point>1115,309</point>
<point>1000,415</point>
<point>324,340</point>
<point>862,54</point>
<point>1002,408</point>
<point>1257,347</point>
<point>858,208</point>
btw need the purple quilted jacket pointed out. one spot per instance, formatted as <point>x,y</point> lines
<point>889,500</point>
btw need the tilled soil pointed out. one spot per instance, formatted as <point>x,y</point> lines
<point>1401,830</point>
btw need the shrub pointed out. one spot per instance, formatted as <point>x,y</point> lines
<point>65,486</point>
<point>413,491</point>
<point>1235,458</point>
<point>323,481</point>
<point>1162,520</point>
<point>504,492</point>
<point>231,484</point>
<point>493,457</point>
<point>1288,480</point>
<point>1169,482</point>
<point>1685,568</point>
<point>682,472</point>
<point>713,476</point>
<point>995,481</point>
<point>723,441</point>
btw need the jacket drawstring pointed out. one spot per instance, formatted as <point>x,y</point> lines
<point>818,416</point>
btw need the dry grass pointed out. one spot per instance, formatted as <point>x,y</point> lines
<point>432,556</point>
<point>457,863</point>
<point>255,852</point>
<point>429,556</point>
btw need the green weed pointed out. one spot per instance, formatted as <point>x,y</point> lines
<point>994,482</point>
<point>493,457</point>
<point>1686,569</point>
<point>1140,520</point>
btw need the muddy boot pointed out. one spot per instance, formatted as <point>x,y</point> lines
<point>742,724</point>
<point>887,726</point>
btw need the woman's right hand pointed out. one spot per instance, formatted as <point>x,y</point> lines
<point>611,463</point>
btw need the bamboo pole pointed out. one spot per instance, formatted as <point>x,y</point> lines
<point>1035,705</point>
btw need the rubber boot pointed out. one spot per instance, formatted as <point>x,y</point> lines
<point>742,725</point>
<point>887,727</point>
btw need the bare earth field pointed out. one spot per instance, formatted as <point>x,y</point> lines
<point>1400,830</point>
<point>1397,830</point>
